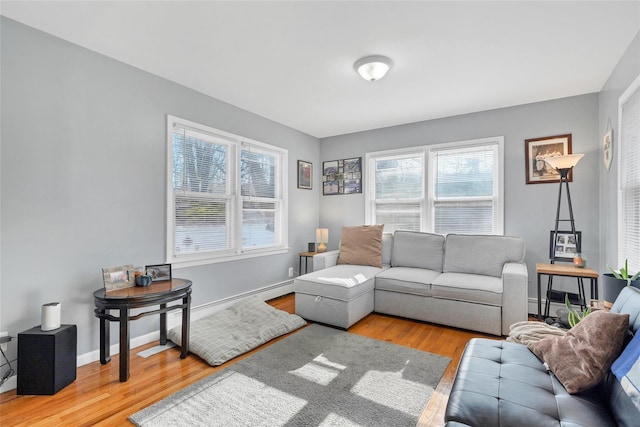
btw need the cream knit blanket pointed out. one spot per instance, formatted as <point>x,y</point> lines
<point>530,332</point>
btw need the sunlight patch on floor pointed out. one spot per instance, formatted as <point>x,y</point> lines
<point>320,371</point>
<point>389,389</point>
<point>333,420</point>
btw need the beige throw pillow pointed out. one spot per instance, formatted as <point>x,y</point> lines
<point>583,356</point>
<point>361,245</point>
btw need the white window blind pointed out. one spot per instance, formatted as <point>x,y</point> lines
<point>208,220</point>
<point>203,191</point>
<point>629,170</point>
<point>398,191</point>
<point>260,197</point>
<point>463,182</point>
<point>465,191</point>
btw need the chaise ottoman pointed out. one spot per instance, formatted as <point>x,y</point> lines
<point>337,296</point>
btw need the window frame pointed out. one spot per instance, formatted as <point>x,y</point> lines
<point>633,88</point>
<point>234,223</point>
<point>427,202</point>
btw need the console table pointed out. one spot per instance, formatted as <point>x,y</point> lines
<point>566,271</point>
<point>123,300</point>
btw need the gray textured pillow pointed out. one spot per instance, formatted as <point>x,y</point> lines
<point>235,330</point>
<point>583,356</point>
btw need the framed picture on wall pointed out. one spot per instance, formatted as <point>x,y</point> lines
<point>537,150</point>
<point>342,176</point>
<point>305,175</point>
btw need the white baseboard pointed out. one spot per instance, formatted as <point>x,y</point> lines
<point>198,312</point>
<point>174,318</point>
<point>10,384</point>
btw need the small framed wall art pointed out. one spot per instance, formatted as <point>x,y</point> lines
<point>539,149</point>
<point>607,148</point>
<point>305,175</point>
<point>342,176</point>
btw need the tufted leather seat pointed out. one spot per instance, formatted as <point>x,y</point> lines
<point>499,383</point>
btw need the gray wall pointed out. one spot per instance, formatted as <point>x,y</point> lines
<point>83,181</point>
<point>627,70</point>
<point>529,209</point>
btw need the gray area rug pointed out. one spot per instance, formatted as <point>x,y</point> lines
<point>318,376</point>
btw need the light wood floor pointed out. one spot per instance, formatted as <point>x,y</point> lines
<point>98,398</point>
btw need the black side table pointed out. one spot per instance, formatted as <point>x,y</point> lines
<point>306,256</point>
<point>47,360</point>
<point>124,300</point>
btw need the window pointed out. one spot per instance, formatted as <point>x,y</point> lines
<point>226,195</point>
<point>444,188</point>
<point>397,195</point>
<point>629,177</point>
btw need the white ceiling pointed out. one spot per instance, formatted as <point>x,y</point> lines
<point>292,62</point>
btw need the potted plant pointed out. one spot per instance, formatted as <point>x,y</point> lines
<point>615,281</point>
<point>573,316</point>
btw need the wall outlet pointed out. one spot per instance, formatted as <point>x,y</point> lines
<point>290,271</point>
<point>3,345</point>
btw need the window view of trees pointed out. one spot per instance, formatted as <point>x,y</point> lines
<point>206,204</point>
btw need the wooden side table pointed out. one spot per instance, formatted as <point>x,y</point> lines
<point>123,300</point>
<point>552,270</point>
<point>306,256</point>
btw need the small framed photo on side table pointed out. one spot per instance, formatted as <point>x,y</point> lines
<point>159,272</point>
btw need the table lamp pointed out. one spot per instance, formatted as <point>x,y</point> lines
<point>322,237</point>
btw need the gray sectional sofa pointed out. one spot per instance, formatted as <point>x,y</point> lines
<point>465,281</point>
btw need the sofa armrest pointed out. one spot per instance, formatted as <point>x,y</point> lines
<point>515,285</point>
<point>325,260</point>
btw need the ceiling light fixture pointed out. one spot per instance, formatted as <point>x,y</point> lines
<point>372,68</point>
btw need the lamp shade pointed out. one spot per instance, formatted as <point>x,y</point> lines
<point>322,235</point>
<point>372,68</point>
<point>564,162</point>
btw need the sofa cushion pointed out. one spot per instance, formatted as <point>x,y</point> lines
<point>418,250</point>
<point>484,255</point>
<point>361,245</point>
<point>468,287</point>
<point>583,356</point>
<point>338,282</point>
<point>416,281</point>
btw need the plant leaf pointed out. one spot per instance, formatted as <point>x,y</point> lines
<point>615,273</point>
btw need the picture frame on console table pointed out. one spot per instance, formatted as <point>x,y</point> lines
<point>537,150</point>
<point>159,272</point>
<point>119,277</point>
